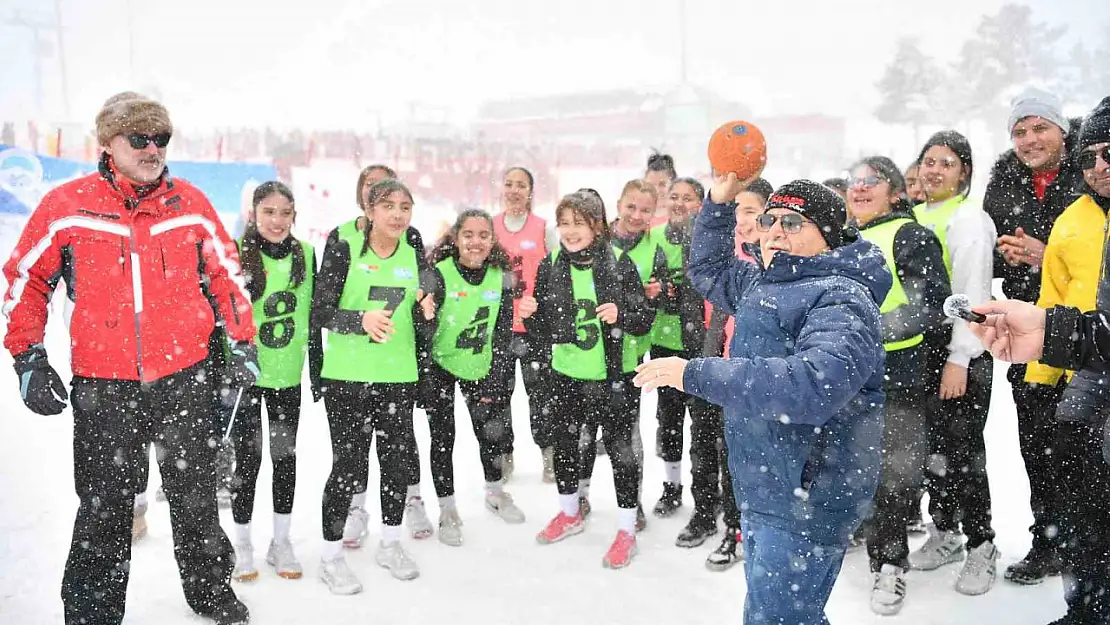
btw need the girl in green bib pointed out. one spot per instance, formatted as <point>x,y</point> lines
<point>473,290</point>
<point>280,272</point>
<point>368,298</point>
<point>587,299</point>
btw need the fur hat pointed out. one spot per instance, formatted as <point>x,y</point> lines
<point>129,112</point>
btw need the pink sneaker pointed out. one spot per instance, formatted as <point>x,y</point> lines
<point>620,552</point>
<point>561,527</point>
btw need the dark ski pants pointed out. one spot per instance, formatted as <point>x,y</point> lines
<point>1036,413</point>
<point>356,412</point>
<point>905,445</point>
<point>113,422</point>
<point>485,417</point>
<point>534,371</point>
<point>612,406</point>
<point>956,471</point>
<point>789,577</point>
<point>1084,481</point>
<point>221,404</point>
<point>283,410</point>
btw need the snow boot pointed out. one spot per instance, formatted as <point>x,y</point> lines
<point>697,531</point>
<point>1039,563</point>
<point>670,501</point>
<point>728,553</point>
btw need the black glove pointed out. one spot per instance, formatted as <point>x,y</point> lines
<point>39,385</point>
<point>242,367</point>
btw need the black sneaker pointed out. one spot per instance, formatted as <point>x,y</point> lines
<point>230,613</point>
<point>697,531</point>
<point>728,553</point>
<point>1038,564</point>
<point>670,502</point>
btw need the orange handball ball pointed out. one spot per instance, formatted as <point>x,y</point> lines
<point>738,147</point>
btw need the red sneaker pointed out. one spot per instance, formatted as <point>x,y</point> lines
<point>620,552</point>
<point>561,527</point>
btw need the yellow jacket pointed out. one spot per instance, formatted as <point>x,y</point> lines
<point>1070,274</point>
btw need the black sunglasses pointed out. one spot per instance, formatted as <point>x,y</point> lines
<point>140,142</point>
<point>792,223</point>
<point>1086,158</point>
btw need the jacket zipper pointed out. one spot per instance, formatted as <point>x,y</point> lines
<point>137,291</point>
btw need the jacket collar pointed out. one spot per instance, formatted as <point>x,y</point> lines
<point>133,196</point>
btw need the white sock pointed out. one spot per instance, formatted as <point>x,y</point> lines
<point>673,471</point>
<point>447,503</point>
<point>626,517</point>
<point>333,550</point>
<point>242,533</point>
<point>584,488</point>
<point>140,500</point>
<point>414,490</point>
<point>493,488</point>
<point>281,526</point>
<point>569,504</point>
<point>391,534</point>
<point>359,500</point>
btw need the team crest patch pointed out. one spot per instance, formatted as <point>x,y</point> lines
<point>403,273</point>
<point>491,296</point>
<point>458,294</point>
<point>527,244</point>
<point>369,267</point>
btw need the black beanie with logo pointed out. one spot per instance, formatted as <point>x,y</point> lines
<point>818,203</point>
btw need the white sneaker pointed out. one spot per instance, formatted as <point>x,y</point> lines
<point>888,590</point>
<point>138,523</point>
<point>416,517</point>
<point>939,549</point>
<point>354,530</point>
<point>394,558</point>
<point>450,527</point>
<point>979,570</point>
<point>339,577</point>
<point>548,465</point>
<point>244,570</point>
<point>280,556</point>
<point>502,505</point>
<point>507,467</point>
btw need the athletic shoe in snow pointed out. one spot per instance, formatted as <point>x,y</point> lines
<point>507,467</point>
<point>223,497</point>
<point>230,613</point>
<point>697,531</point>
<point>280,556</point>
<point>450,527</point>
<point>583,507</point>
<point>979,570</point>
<point>394,558</point>
<point>888,590</point>
<point>1038,564</point>
<point>502,505</point>
<point>939,549</point>
<point>355,529</point>
<point>339,577</point>
<point>641,518</point>
<point>244,570</point>
<point>416,517</point>
<point>138,523</point>
<point>561,527</point>
<point>916,526</point>
<point>160,495</point>
<point>548,465</point>
<point>621,552</point>
<point>728,553</point>
<point>670,502</point>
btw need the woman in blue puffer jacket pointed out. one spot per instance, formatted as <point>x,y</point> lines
<point>802,390</point>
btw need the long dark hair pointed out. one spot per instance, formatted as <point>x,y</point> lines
<point>960,147</point>
<point>531,182</point>
<point>250,252</point>
<point>364,174</point>
<point>378,192</point>
<point>697,186</point>
<point>887,170</point>
<point>448,244</point>
<point>588,204</point>
<point>658,161</point>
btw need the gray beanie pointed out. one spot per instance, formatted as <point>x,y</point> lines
<point>1034,102</point>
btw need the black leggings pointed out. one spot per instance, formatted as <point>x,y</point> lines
<point>709,472</point>
<point>533,369</point>
<point>905,444</point>
<point>671,413</point>
<point>956,471</point>
<point>1085,492</point>
<point>439,403</point>
<point>578,404</point>
<point>283,409</point>
<point>356,412</point>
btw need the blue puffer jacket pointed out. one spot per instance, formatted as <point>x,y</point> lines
<point>802,391</point>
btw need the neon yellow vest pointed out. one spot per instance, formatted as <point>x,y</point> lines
<point>937,220</point>
<point>643,256</point>
<point>463,342</point>
<point>667,329</point>
<point>282,318</point>
<point>883,236</point>
<point>584,359</point>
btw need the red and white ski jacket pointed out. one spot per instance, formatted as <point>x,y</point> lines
<point>143,275</point>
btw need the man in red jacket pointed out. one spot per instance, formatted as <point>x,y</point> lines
<point>149,272</point>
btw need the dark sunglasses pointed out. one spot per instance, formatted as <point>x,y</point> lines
<point>792,223</point>
<point>1086,158</point>
<point>140,142</point>
<point>865,181</point>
